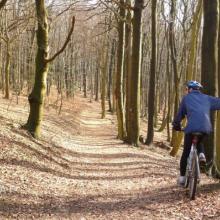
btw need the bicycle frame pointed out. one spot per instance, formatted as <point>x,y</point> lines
<point>193,168</point>
<point>193,153</point>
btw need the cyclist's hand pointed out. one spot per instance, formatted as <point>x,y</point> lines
<point>177,127</point>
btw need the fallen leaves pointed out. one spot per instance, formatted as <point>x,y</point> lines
<point>86,173</point>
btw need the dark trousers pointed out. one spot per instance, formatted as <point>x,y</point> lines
<point>186,151</point>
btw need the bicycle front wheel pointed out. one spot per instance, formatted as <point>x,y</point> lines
<point>193,177</point>
<point>187,177</point>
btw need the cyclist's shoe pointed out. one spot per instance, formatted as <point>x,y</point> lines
<point>181,181</point>
<point>202,162</point>
<point>202,159</point>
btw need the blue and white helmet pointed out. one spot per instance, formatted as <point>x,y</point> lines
<point>194,85</point>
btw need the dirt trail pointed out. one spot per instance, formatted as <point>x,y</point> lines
<point>79,170</point>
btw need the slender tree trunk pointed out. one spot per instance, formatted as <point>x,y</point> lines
<point>7,70</point>
<point>169,79</point>
<point>151,94</point>
<point>128,64</point>
<point>84,81</point>
<point>1,83</point>
<point>111,69</point>
<point>97,84</point>
<point>29,66</point>
<point>36,98</point>
<point>176,136</point>
<point>193,41</point>
<point>209,61</point>
<point>103,80</point>
<point>67,75</point>
<point>119,77</point>
<point>174,55</point>
<point>217,141</point>
<point>134,79</point>
<point>114,75</point>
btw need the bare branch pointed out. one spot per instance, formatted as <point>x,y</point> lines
<point>69,7</point>
<point>65,44</point>
<point>124,5</point>
<point>2,4</point>
<point>3,38</point>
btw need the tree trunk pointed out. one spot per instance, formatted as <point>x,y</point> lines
<point>97,84</point>
<point>103,79</point>
<point>111,69</point>
<point>84,81</point>
<point>128,62</point>
<point>217,140</point>
<point>36,98</point>
<point>1,83</point>
<point>151,93</point>
<point>119,77</point>
<point>209,61</point>
<point>174,56</point>
<point>193,41</point>
<point>134,79</point>
<point>176,136</point>
<point>7,70</point>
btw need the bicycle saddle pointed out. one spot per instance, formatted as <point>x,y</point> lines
<point>197,134</point>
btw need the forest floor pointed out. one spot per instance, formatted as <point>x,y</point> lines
<point>79,170</point>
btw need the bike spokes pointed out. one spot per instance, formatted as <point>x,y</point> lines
<point>193,177</point>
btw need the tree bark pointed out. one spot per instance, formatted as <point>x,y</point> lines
<point>151,93</point>
<point>193,41</point>
<point>176,136</point>
<point>217,140</point>
<point>36,98</point>
<point>119,77</point>
<point>103,79</point>
<point>97,84</point>
<point>134,77</point>
<point>128,65</point>
<point>7,70</point>
<point>84,80</point>
<point>209,61</point>
<point>111,69</point>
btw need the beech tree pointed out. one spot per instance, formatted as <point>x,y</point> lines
<point>209,61</point>
<point>37,96</point>
<point>119,76</point>
<point>151,93</point>
<point>216,167</point>
<point>134,79</point>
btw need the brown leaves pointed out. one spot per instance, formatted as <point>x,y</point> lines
<point>91,175</point>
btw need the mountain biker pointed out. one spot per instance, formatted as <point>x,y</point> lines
<point>196,106</point>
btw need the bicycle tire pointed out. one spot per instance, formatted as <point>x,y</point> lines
<point>187,177</point>
<point>193,178</point>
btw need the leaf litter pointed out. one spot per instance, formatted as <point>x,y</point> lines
<point>79,170</point>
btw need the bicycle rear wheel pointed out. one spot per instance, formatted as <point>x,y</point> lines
<point>187,178</point>
<point>193,178</point>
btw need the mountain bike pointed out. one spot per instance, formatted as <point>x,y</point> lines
<point>193,168</point>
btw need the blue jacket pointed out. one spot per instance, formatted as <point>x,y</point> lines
<point>196,106</point>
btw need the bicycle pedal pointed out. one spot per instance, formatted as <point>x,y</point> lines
<point>202,163</point>
<point>203,168</point>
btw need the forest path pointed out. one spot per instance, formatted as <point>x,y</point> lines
<point>79,170</point>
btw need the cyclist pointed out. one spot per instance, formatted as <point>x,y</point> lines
<point>196,106</point>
